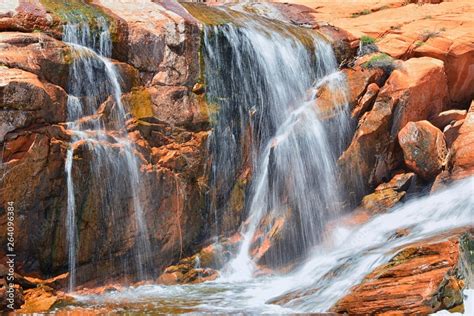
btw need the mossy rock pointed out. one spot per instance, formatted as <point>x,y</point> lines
<point>139,103</point>
<point>75,11</point>
<point>212,16</point>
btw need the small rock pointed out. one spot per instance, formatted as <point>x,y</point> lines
<point>198,88</point>
<point>447,117</point>
<point>381,200</point>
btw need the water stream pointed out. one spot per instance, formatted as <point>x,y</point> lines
<point>262,83</point>
<point>93,79</point>
<point>350,253</point>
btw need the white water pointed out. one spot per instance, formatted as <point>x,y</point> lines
<point>347,255</point>
<point>270,87</point>
<point>93,76</point>
<point>350,254</point>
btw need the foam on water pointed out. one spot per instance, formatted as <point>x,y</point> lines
<point>350,255</point>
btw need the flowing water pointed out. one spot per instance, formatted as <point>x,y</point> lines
<point>262,83</point>
<point>93,79</point>
<point>350,254</point>
<point>263,80</point>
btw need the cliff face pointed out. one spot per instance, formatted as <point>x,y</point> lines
<point>411,86</point>
<point>158,61</point>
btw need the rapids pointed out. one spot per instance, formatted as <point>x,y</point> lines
<point>351,252</point>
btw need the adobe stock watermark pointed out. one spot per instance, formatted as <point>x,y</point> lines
<point>10,277</point>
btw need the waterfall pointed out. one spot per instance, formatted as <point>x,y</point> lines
<point>262,79</point>
<point>357,250</point>
<point>93,78</point>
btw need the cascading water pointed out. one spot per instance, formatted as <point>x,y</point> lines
<point>266,97</point>
<point>350,253</point>
<point>264,82</point>
<point>93,79</point>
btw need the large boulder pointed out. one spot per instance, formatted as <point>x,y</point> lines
<point>37,53</point>
<point>25,100</point>
<point>416,90</point>
<point>462,156</point>
<point>164,47</point>
<point>424,148</point>
<point>458,56</point>
<point>165,52</point>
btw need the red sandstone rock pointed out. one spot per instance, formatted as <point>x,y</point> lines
<point>37,53</point>
<point>420,279</point>
<point>396,45</point>
<point>28,16</point>
<point>366,101</point>
<point>458,56</point>
<point>329,101</point>
<point>416,90</point>
<point>424,148</point>
<point>447,117</point>
<point>462,157</point>
<point>42,299</point>
<point>387,195</point>
<point>26,100</point>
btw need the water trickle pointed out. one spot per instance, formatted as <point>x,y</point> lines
<point>262,80</point>
<point>93,79</point>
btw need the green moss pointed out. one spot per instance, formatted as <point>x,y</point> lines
<point>363,12</point>
<point>72,9</point>
<point>139,102</point>
<point>366,40</point>
<point>419,43</point>
<point>209,15</point>
<point>378,60</point>
<point>79,10</point>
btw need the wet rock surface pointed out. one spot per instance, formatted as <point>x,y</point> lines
<point>421,278</point>
<point>411,103</point>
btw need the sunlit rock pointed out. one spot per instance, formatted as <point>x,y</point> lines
<point>421,278</point>
<point>424,148</point>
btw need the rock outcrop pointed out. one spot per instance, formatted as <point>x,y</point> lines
<point>416,90</point>
<point>462,159</point>
<point>420,279</point>
<point>159,63</point>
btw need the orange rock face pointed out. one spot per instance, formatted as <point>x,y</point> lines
<point>424,148</point>
<point>420,279</point>
<point>415,90</point>
<point>329,100</point>
<point>388,194</point>
<point>462,159</point>
<point>405,29</point>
